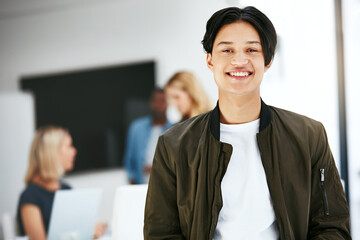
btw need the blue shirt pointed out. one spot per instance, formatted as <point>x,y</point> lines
<point>40,197</point>
<point>136,146</point>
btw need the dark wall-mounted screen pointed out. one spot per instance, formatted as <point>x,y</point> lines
<point>96,106</point>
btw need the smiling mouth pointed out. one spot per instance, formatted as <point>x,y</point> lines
<point>239,74</point>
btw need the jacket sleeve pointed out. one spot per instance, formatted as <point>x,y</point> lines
<point>161,211</point>
<point>329,212</point>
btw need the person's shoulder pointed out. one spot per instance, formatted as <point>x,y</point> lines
<point>146,120</point>
<point>32,188</point>
<point>283,113</point>
<point>294,119</point>
<point>31,194</point>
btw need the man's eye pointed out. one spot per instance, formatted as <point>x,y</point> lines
<point>252,50</point>
<point>226,50</point>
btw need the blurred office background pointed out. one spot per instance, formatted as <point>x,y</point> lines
<point>50,38</point>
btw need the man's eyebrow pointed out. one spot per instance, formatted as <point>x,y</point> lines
<point>224,43</point>
<point>229,42</point>
<point>253,42</point>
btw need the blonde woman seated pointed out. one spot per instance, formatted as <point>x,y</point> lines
<point>51,155</point>
<point>186,93</point>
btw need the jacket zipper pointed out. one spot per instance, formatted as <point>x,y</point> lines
<point>322,180</point>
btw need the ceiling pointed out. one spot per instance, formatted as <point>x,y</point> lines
<point>21,8</point>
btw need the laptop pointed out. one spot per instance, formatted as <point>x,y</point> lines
<point>128,214</point>
<point>74,214</point>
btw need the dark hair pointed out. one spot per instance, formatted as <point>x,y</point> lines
<point>158,90</point>
<point>154,91</point>
<point>253,16</point>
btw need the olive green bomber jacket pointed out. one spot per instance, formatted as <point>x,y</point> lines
<point>184,193</point>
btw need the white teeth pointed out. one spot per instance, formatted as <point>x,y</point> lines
<point>239,74</point>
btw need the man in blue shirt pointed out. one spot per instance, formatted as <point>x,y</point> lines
<point>142,138</point>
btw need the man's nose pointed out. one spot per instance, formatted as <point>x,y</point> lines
<point>239,59</point>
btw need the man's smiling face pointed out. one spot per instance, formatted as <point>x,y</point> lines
<point>237,60</point>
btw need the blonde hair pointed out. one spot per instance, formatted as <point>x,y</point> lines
<point>44,159</point>
<point>188,82</point>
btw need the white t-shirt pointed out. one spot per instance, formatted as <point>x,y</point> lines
<point>151,147</point>
<point>247,211</point>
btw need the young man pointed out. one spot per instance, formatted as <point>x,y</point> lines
<point>142,138</point>
<point>245,170</point>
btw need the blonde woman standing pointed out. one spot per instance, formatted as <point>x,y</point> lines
<point>51,155</point>
<point>185,92</point>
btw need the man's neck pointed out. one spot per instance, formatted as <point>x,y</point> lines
<point>239,109</point>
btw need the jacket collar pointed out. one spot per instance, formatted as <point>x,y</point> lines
<point>265,118</point>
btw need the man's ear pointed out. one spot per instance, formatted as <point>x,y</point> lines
<point>268,66</point>
<point>209,61</point>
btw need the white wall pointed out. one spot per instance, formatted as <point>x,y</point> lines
<point>16,132</point>
<point>99,33</point>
